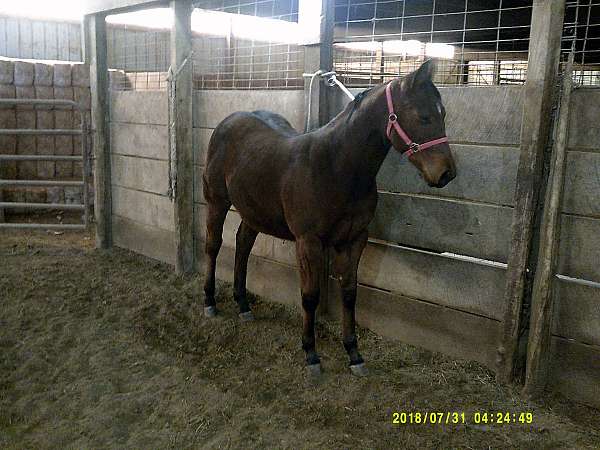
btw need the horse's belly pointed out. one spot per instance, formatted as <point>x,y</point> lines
<point>263,213</point>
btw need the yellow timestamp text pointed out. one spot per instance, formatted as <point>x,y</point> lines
<point>461,417</point>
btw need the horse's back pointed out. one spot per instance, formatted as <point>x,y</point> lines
<point>248,157</point>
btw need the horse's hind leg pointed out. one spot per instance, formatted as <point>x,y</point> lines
<point>244,240</point>
<point>309,253</point>
<point>217,210</point>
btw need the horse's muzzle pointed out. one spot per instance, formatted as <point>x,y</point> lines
<point>446,178</point>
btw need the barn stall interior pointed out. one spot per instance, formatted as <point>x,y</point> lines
<point>490,268</point>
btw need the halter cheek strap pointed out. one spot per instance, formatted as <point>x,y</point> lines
<point>413,147</point>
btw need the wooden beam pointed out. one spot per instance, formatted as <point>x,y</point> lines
<point>96,25</point>
<point>181,65</point>
<point>544,51</point>
<point>538,349</point>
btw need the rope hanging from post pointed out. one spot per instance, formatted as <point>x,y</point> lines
<point>171,92</point>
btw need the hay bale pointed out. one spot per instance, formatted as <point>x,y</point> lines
<point>83,96</point>
<point>24,73</point>
<point>62,75</point>
<point>7,69</point>
<point>45,144</point>
<point>80,75</point>
<point>44,74</point>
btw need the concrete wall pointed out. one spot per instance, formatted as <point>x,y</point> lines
<point>19,79</point>
<point>575,367</point>
<point>142,213</point>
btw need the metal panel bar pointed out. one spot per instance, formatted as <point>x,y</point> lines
<point>36,132</point>
<point>40,183</point>
<point>85,156</point>
<point>45,226</point>
<point>39,158</point>
<point>69,206</point>
<point>40,102</point>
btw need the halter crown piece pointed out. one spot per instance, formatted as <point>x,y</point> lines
<point>413,147</point>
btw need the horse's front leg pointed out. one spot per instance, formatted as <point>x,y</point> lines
<point>345,265</point>
<point>309,253</point>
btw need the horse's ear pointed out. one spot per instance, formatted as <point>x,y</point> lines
<point>422,75</point>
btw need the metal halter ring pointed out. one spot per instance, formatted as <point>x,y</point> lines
<point>393,117</point>
<point>414,147</point>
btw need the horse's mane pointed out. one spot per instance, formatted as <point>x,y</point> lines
<point>357,100</point>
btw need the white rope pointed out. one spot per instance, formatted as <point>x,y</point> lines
<point>331,81</point>
<point>172,91</point>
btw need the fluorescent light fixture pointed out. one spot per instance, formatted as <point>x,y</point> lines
<point>401,48</point>
<point>159,18</point>
<point>245,27</point>
<point>404,48</point>
<point>371,46</point>
<point>436,50</point>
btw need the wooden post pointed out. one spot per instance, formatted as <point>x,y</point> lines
<point>318,54</point>
<point>101,129</point>
<point>85,40</point>
<point>181,65</point>
<point>544,52</point>
<point>540,330</point>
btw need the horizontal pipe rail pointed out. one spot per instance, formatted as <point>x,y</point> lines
<point>74,206</point>
<point>83,131</point>
<point>40,158</point>
<point>45,226</point>
<point>37,132</point>
<point>40,102</point>
<point>40,183</point>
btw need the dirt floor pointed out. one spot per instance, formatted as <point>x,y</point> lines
<point>110,350</point>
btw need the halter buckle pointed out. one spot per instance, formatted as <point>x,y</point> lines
<point>393,117</point>
<point>414,147</point>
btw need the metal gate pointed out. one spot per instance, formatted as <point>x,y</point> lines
<point>82,131</point>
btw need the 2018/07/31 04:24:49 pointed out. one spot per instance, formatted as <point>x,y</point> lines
<point>448,417</point>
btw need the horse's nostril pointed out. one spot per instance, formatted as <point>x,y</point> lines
<point>446,178</point>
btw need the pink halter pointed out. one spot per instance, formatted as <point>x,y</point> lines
<point>413,147</point>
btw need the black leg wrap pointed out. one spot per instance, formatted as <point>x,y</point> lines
<point>351,346</point>
<point>209,298</point>
<point>242,302</point>
<point>311,355</point>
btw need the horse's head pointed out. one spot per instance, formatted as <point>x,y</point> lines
<point>416,125</point>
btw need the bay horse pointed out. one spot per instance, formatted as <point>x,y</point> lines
<point>318,189</point>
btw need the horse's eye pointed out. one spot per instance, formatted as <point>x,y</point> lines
<point>425,119</point>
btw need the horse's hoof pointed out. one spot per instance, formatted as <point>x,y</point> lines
<point>360,370</point>
<point>247,316</point>
<point>210,311</point>
<point>313,370</point>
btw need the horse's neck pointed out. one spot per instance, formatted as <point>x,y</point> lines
<point>357,143</point>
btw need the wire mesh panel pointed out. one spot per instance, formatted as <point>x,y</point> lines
<point>242,44</point>
<point>582,32</point>
<point>477,42</point>
<point>138,57</point>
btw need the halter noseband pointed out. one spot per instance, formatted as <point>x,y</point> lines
<point>413,147</point>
